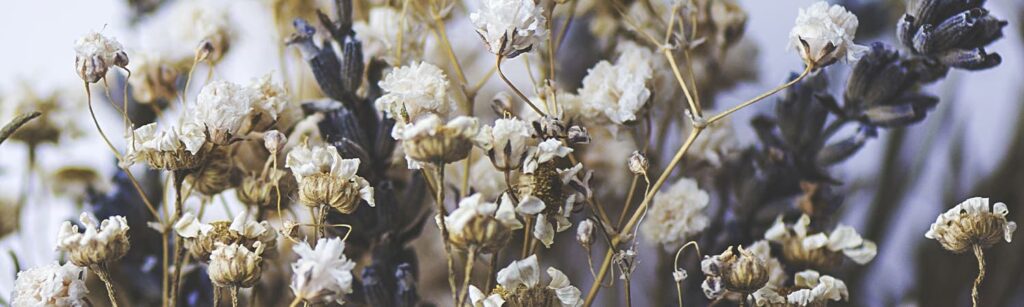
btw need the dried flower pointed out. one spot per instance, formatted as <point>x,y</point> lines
<point>816,288</point>
<point>744,273</point>
<point>170,149</point>
<point>479,299</point>
<point>507,142</point>
<point>429,140</point>
<point>824,34</point>
<point>411,92</point>
<point>217,174</point>
<point>585,233</point>
<point>153,78</point>
<point>201,239</point>
<point>95,54</point>
<point>50,285</point>
<point>676,214</point>
<point>269,99</point>
<point>953,34</point>
<point>322,274</point>
<point>204,28</point>
<point>481,225</point>
<point>638,163</point>
<point>380,35</point>
<point>509,27</point>
<point>520,283</point>
<point>971,223</point>
<point>221,107</point>
<point>327,179</point>
<point>545,152</point>
<point>551,197</point>
<point>274,141</point>
<point>97,246</point>
<point>235,265</point>
<point>620,91</point>
<point>819,251</point>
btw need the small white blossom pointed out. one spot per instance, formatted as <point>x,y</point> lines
<point>274,141</point>
<point>621,90</point>
<point>99,244</point>
<point>479,299</point>
<point>509,27</point>
<point>585,232</point>
<point>188,226</point>
<point>306,161</point>
<point>824,34</point>
<point>147,142</point>
<point>526,273</point>
<point>816,288</point>
<point>544,152</point>
<point>676,214</point>
<point>380,33</point>
<point>322,274</point>
<point>268,98</point>
<point>508,141</point>
<point>95,54</point>
<point>469,207</point>
<point>414,90</point>
<point>50,285</point>
<point>221,107</point>
<point>842,239</point>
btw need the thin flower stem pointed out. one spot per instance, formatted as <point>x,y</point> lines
<point>295,302</point>
<point>566,24</point>
<point>439,200</point>
<point>980,254</point>
<point>188,81</point>
<point>629,295</point>
<point>471,258</point>
<point>679,288</point>
<point>489,284</point>
<point>515,89</point>
<point>104,275</point>
<point>16,123</point>
<point>401,31</point>
<point>747,103</point>
<point>629,200</point>
<point>234,296</point>
<point>179,252</point>
<point>216,296</point>
<point>442,33</point>
<point>694,105</point>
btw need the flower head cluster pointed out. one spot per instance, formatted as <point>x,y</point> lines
<point>172,148</point>
<point>327,179</point>
<point>97,245</point>
<point>742,272</point>
<point>480,224</point>
<point>676,214</point>
<point>236,265</point>
<point>95,54</point>
<point>50,285</point>
<point>520,285</point>
<point>972,223</point>
<point>322,274</point>
<point>820,250</point>
<point>509,27</point>
<point>824,34</point>
<point>618,92</point>
<point>201,239</point>
<point>221,107</point>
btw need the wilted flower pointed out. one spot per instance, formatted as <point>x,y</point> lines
<point>429,140</point>
<point>322,274</point>
<point>327,179</point>
<point>97,246</point>
<point>971,223</point>
<point>412,91</point>
<point>507,142</point>
<point>95,54</point>
<point>481,225</point>
<point>170,149</point>
<point>235,265</point>
<point>810,289</point>
<point>824,34</point>
<point>50,285</point>
<point>221,107</point>
<point>676,214</point>
<point>820,250</point>
<point>638,163</point>
<point>620,91</point>
<point>509,27</point>
<point>520,286</point>
<point>380,36</point>
<point>741,272</point>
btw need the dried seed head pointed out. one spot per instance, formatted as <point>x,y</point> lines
<point>745,273</point>
<point>216,175</point>
<point>171,149</point>
<point>97,245</point>
<point>261,191</point>
<point>972,223</point>
<point>327,179</point>
<point>638,163</point>
<point>235,265</point>
<point>203,245</point>
<point>324,189</point>
<point>482,225</point>
<point>430,141</point>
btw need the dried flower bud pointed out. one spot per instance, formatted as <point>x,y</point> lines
<point>585,233</point>
<point>95,54</point>
<point>578,135</point>
<point>327,179</point>
<point>638,163</point>
<point>274,141</point>
<point>970,224</point>
<point>261,191</point>
<point>97,245</point>
<point>744,272</point>
<point>481,225</point>
<point>679,275</point>
<point>235,265</point>
<point>824,34</point>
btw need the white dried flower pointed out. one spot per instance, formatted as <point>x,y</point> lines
<point>715,142</point>
<point>97,245</point>
<point>221,107</point>
<point>676,214</point>
<point>820,250</point>
<point>972,223</point>
<point>545,151</point>
<point>509,27</point>
<point>412,91</point>
<point>235,265</point>
<point>95,54</point>
<point>585,233</point>
<point>480,224</point>
<point>816,289</point>
<point>50,285</point>
<point>380,35</point>
<point>638,163</point>
<point>824,34</point>
<point>620,91</point>
<point>171,148</point>
<point>507,142</point>
<point>322,274</point>
<point>327,179</point>
<point>274,141</point>
<point>521,276</point>
<point>479,299</point>
<point>268,98</point>
<point>430,140</point>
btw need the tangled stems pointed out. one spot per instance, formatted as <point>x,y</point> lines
<point>980,254</point>
<point>104,275</point>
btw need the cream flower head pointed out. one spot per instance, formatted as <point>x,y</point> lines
<point>201,238</point>
<point>97,245</point>
<point>972,223</point>
<point>480,224</point>
<point>820,250</point>
<point>507,142</point>
<point>521,282</point>
<point>429,140</point>
<point>95,54</point>
<point>381,30</point>
<point>618,92</point>
<point>322,274</point>
<point>171,149</point>
<point>413,91</point>
<point>676,214</point>
<point>544,152</point>
<point>327,179</point>
<point>236,265</point>
<point>268,97</point>
<point>221,108</point>
<point>817,288</point>
<point>50,285</point>
<point>824,34</point>
<point>509,27</point>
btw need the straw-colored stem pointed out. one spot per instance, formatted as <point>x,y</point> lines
<point>470,260</point>
<point>216,296</point>
<point>439,200</point>
<point>179,252</point>
<point>980,254</point>
<point>104,275</point>
<point>516,89</point>
<point>295,302</point>
<point>234,296</point>
<point>747,103</point>
<point>679,288</point>
<point>16,123</point>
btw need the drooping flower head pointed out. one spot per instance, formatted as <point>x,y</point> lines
<point>97,245</point>
<point>322,274</point>
<point>509,27</point>
<point>95,54</point>
<point>971,223</point>
<point>824,34</point>
<point>50,285</point>
<point>327,179</point>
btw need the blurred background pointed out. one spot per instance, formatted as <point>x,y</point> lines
<point>971,145</point>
